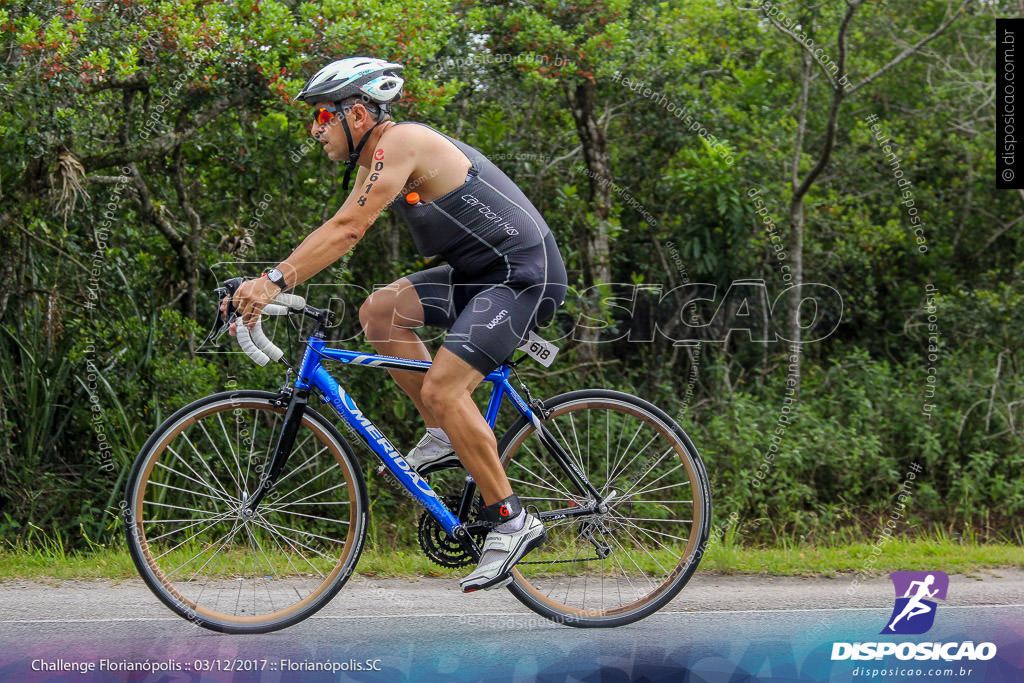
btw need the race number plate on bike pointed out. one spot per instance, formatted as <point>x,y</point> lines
<point>540,350</point>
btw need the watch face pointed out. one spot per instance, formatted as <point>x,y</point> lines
<point>275,276</point>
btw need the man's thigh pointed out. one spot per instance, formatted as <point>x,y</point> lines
<point>402,299</point>
<point>451,373</point>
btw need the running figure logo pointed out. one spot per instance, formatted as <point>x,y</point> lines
<point>914,613</point>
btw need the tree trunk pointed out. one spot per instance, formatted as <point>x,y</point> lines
<point>596,261</point>
<point>796,219</point>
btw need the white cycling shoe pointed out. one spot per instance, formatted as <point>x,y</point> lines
<point>431,454</point>
<point>500,553</point>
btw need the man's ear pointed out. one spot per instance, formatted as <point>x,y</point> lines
<point>362,115</point>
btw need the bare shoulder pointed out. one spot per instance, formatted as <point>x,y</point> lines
<point>437,165</point>
<point>407,137</point>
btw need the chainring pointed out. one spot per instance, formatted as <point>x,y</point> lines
<point>439,546</point>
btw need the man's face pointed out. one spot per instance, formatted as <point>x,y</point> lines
<point>331,134</point>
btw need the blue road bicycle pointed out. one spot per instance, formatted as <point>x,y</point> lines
<point>246,511</point>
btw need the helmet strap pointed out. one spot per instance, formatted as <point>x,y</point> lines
<point>353,157</point>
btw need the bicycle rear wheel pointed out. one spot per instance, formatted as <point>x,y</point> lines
<point>609,569</point>
<point>199,551</point>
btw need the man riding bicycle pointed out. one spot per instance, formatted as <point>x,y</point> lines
<point>504,275</point>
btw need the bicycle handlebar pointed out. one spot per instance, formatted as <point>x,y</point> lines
<point>254,342</point>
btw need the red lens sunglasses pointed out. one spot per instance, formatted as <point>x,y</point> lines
<point>323,115</point>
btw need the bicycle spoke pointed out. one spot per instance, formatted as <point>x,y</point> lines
<point>176,507</point>
<point>252,443</point>
<point>191,493</point>
<point>660,502</point>
<point>622,570</point>
<point>554,479</point>
<point>641,546</point>
<point>217,520</point>
<point>661,546</point>
<point>307,483</point>
<point>299,514</point>
<point>656,519</point>
<point>313,495</point>
<point>629,556</point>
<point>662,488</point>
<point>626,522</point>
<point>304,533</point>
<point>254,542</point>
<point>565,447</point>
<point>202,552</point>
<point>629,491</point>
<point>213,444</point>
<point>576,438</point>
<point>266,525</point>
<point>274,538</point>
<point>175,531</point>
<point>205,483</point>
<point>554,500</point>
<point>622,456</point>
<point>297,448</point>
<point>234,456</point>
<point>637,455</point>
<point>225,498</point>
<point>202,459</point>
<point>540,486</point>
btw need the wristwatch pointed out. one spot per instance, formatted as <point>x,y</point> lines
<point>275,276</point>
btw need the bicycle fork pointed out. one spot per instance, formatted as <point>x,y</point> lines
<point>282,451</point>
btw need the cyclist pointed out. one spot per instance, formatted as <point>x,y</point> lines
<point>504,275</point>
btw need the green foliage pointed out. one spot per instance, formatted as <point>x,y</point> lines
<point>99,340</point>
<point>841,462</point>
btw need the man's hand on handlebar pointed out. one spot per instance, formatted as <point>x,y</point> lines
<point>250,298</point>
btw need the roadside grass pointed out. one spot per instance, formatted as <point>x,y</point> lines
<point>52,562</point>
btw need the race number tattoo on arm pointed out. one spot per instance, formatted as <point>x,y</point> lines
<point>378,166</point>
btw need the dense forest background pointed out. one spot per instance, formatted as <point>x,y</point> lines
<point>779,219</point>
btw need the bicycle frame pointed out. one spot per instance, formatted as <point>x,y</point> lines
<point>313,376</point>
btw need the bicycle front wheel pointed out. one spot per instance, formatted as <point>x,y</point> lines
<point>204,555</point>
<point>610,568</point>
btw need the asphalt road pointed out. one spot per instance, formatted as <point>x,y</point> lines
<point>756,627</point>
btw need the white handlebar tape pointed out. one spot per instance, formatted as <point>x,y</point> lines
<point>245,341</point>
<point>254,342</point>
<point>292,301</point>
<point>275,309</point>
<point>264,344</point>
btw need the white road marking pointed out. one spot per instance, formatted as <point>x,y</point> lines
<point>456,617</point>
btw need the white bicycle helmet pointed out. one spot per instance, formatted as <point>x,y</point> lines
<point>374,79</point>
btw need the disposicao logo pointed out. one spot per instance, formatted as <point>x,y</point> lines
<point>913,614</point>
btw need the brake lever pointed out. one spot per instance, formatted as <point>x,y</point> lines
<point>223,322</point>
<point>228,289</point>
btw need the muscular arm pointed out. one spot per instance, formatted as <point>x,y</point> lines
<point>392,165</point>
<point>374,190</point>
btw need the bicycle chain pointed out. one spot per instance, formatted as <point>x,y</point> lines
<point>585,559</point>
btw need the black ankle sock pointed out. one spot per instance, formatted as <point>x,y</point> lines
<point>503,511</point>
